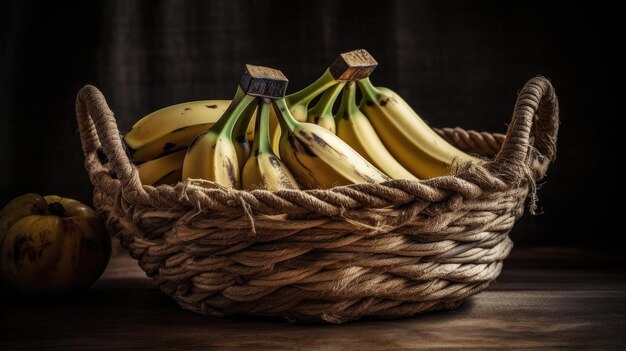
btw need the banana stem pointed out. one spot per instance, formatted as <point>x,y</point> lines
<point>327,101</point>
<point>239,93</point>
<point>368,90</point>
<point>261,141</point>
<point>348,105</point>
<point>309,93</point>
<point>285,118</point>
<point>241,127</point>
<point>226,123</point>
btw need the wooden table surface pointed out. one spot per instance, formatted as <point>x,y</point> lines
<point>544,299</point>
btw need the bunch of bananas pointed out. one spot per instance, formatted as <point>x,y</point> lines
<point>262,139</point>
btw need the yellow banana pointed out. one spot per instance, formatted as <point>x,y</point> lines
<point>264,170</point>
<point>172,178</point>
<point>172,128</point>
<point>407,137</point>
<point>163,170</point>
<point>212,154</point>
<point>354,128</point>
<point>322,113</point>
<point>318,158</point>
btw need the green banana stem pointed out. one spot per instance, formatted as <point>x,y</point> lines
<point>241,127</point>
<point>368,90</point>
<point>285,118</point>
<point>324,106</point>
<point>239,93</point>
<point>261,141</point>
<point>306,95</point>
<point>227,122</point>
<point>348,105</point>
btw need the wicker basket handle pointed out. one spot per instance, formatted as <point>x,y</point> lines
<point>98,128</point>
<point>530,143</point>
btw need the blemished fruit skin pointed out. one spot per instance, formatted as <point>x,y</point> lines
<point>212,155</point>
<point>407,137</point>
<point>172,128</point>
<point>318,158</point>
<point>51,244</point>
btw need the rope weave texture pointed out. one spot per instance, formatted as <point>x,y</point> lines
<point>392,249</point>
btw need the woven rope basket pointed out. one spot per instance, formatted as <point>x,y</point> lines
<point>393,249</point>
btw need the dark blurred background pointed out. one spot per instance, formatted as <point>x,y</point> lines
<point>457,63</point>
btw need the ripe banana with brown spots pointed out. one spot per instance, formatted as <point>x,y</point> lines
<point>172,128</point>
<point>212,155</point>
<point>319,158</point>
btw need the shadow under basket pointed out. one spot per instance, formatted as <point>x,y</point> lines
<point>393,249</point>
